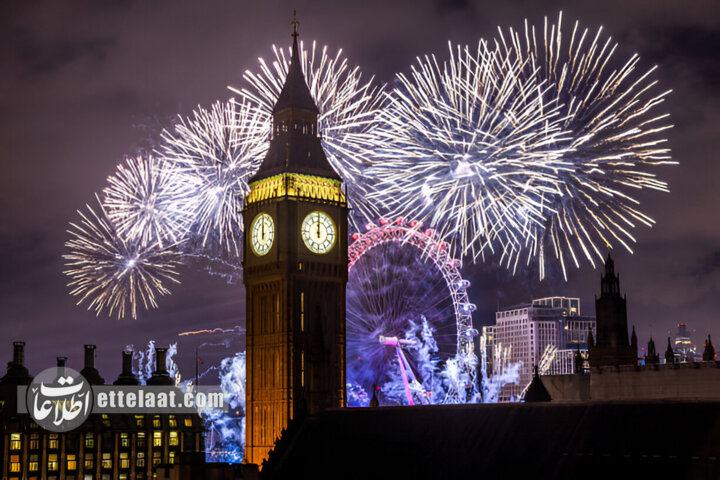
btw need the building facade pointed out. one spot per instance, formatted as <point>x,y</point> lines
<point>295,273</point>
<point>105,446</point>
<point>526,331</point>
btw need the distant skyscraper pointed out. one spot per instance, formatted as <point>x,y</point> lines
<point>685,351</point>
<point>527,330</point>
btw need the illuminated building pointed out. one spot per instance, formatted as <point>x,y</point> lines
<point>105,447</point>
<point>685,350</point>
<point>295,272</point>
<point>528,329</point>
<point>569,306</point>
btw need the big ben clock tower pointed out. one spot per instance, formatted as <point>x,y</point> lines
<point>295,273</point>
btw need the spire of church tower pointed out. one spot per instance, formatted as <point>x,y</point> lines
<point>669,353</point>
<point>709,352</point>
<point>612,345</point>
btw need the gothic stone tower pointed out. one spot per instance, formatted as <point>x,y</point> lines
<point>295,273</point>
<point>612,346</point>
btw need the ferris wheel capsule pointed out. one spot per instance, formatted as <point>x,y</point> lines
<point>383,221</point>
<point>470,333</point>
<point>468,307</point>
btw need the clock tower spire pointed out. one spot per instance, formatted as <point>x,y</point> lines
<point>295,273</point>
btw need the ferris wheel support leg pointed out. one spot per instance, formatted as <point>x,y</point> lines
<point>401,360</point>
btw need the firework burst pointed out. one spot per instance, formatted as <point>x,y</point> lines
<point>531,145</point>
<point>112,274</point>
<point>220,148</point>
<point>348,106</point>
<point>466,145</point>
<point>149,200</point>
<point>614,138</point>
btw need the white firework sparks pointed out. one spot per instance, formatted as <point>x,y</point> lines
<point>114,275</point>
<point>614,137</point>
<point>348,106</point>
<point>221,148</point>
<point>466,145</point>
<point>151,201</point>
<point>531,144</point>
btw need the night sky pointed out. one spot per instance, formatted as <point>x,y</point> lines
<point>85,83</point>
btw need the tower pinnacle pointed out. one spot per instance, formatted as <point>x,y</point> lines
<point>295,24</point>
<point>295,146</point>
<point>295,92</point>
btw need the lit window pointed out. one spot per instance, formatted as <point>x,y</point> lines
<point>156,422</point>
<point>157,459</point>
<point>15,442</point>
<point>34,441</point>
<point>107,460</point>
<point>173,421</point>
<point>188,422</point>
<point>173,439</point>
<point>89,440</point>
<point>171,458</point>
<point>140,459</point>
<point>34,466</point>
<point>124,440</point>
<point>53,441</point>
<point>52,462</point>
<point>71,462</point>
<point>140,420</point>
<point>14,463</point>
<point>124,460</point>
<point>157,439</point>
<point>89,461</point>
<point>141,440</point>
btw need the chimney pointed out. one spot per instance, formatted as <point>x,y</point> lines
<point>161,375</point>
<point>127,363</point>
<point>89,356</point>
<point>61,366</point>
<point>17,374</point>
<point>126,376</point>
<point>19,353</point>
<point>160,367</point>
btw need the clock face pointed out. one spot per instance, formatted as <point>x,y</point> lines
<point>318,232</point>
<point>262,234</point>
